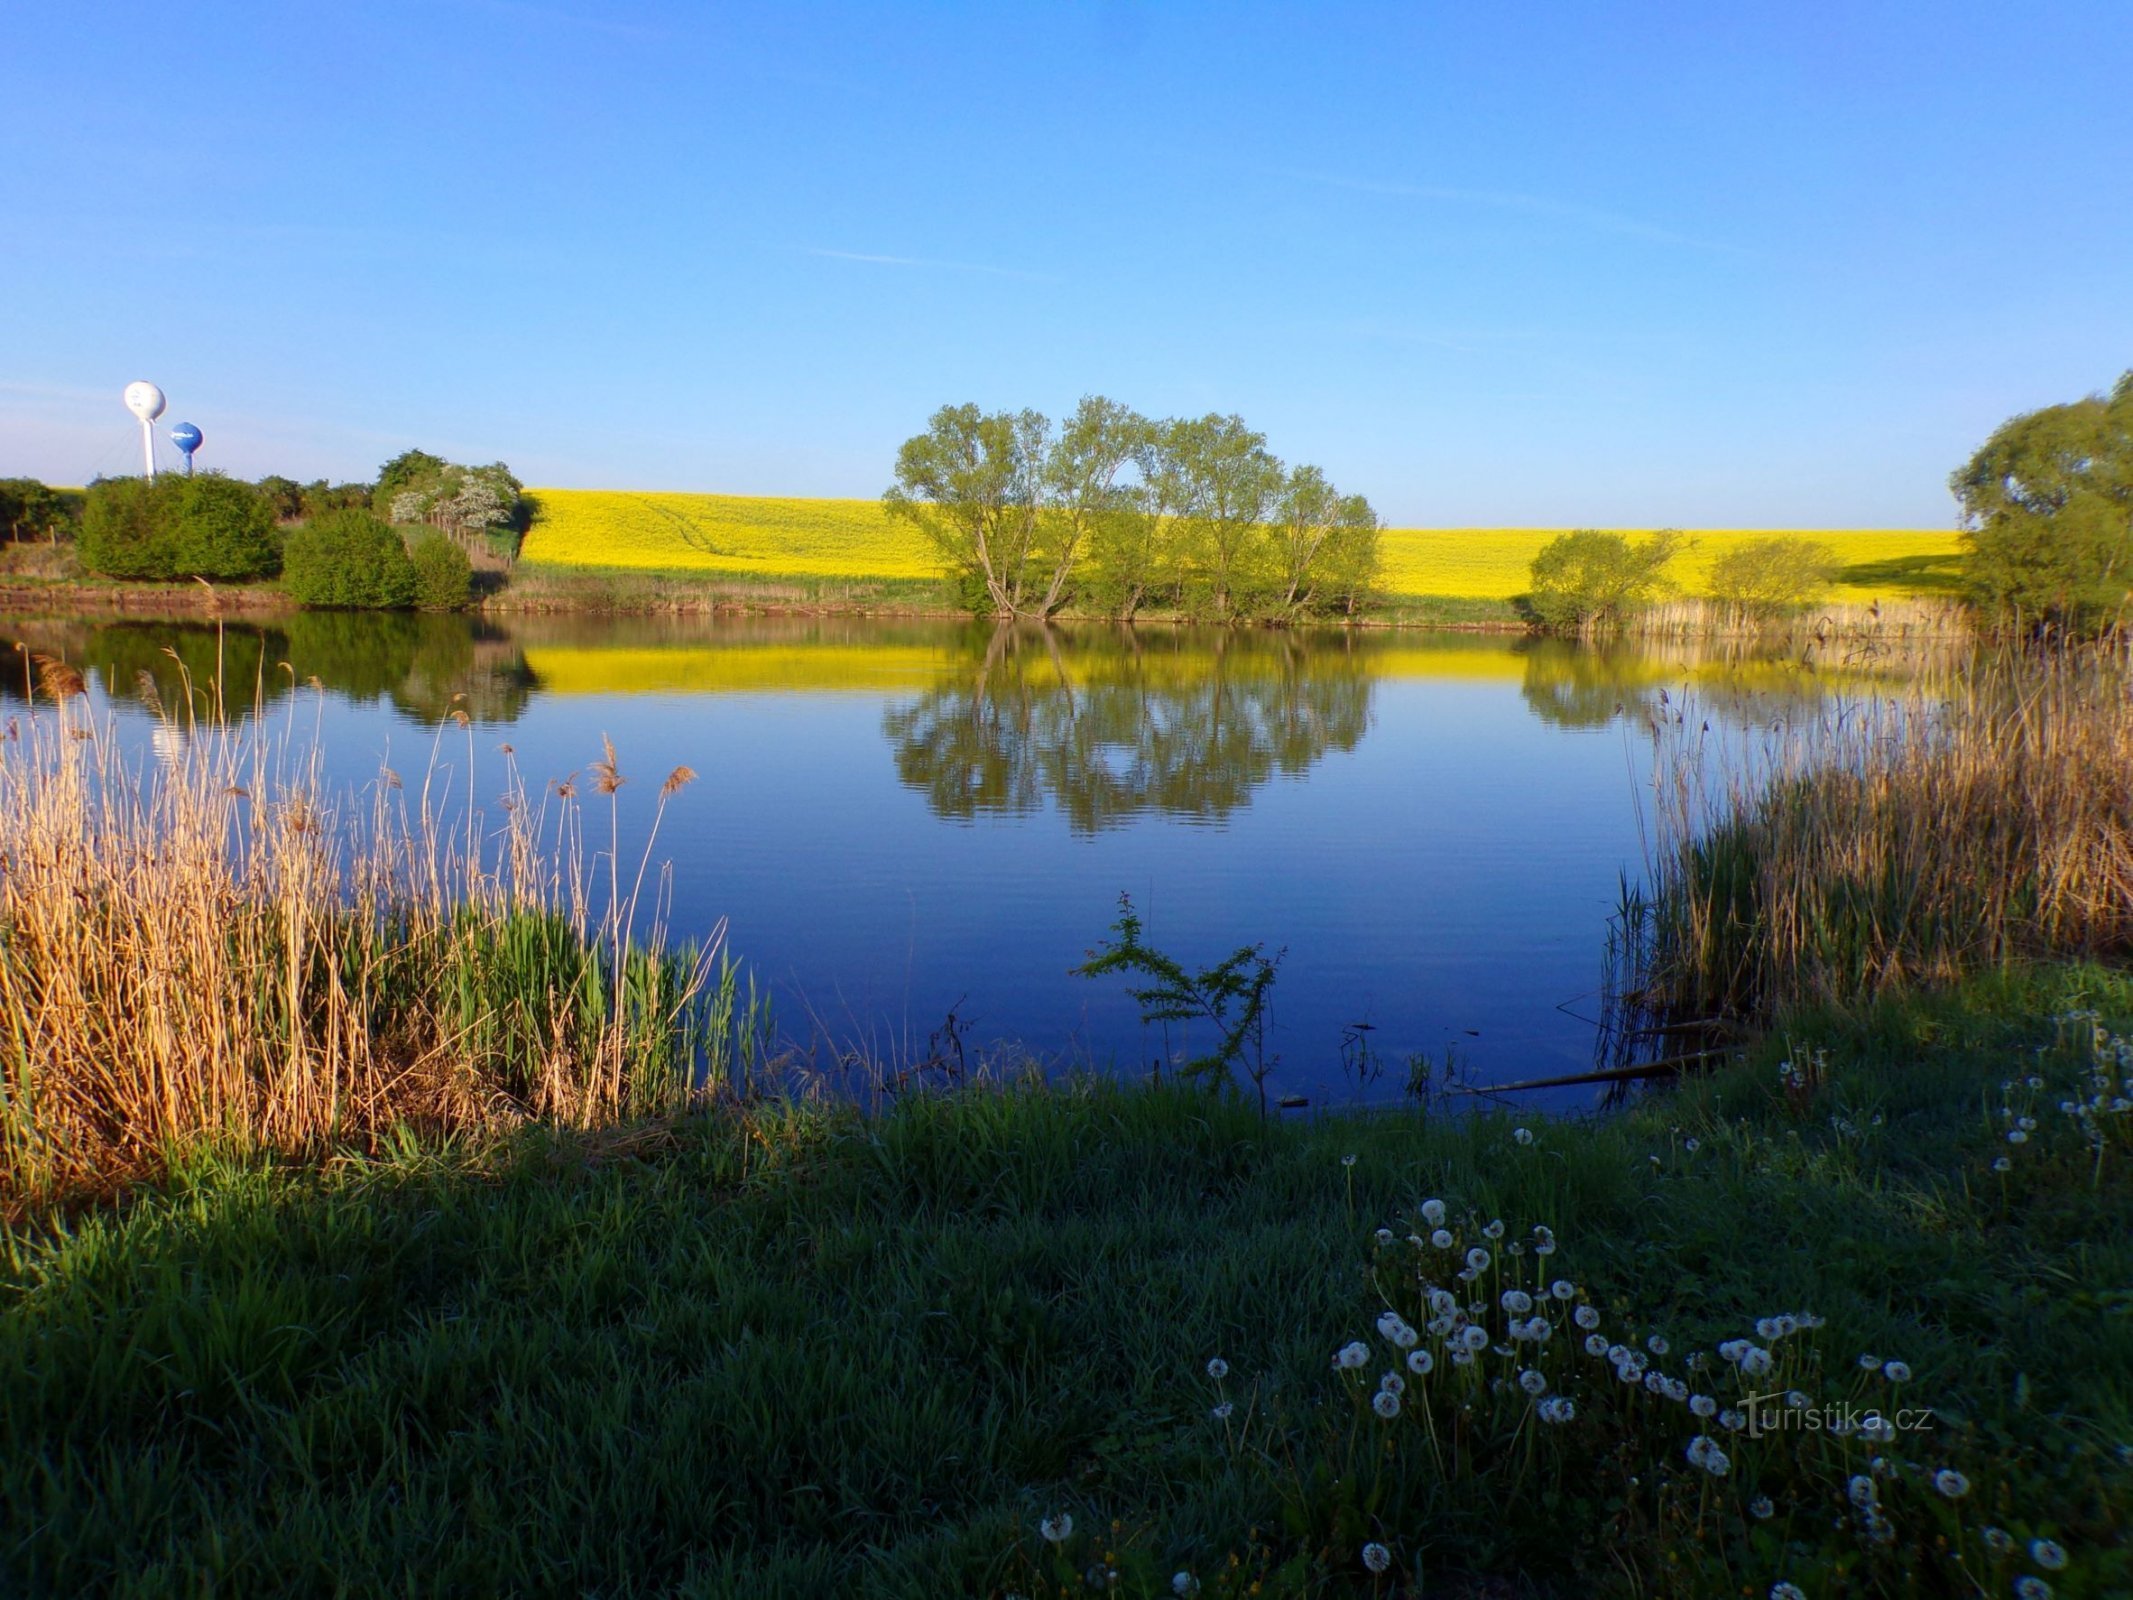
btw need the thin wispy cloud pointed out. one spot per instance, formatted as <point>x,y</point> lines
<point>928,263</point>
<point>1531,205</point>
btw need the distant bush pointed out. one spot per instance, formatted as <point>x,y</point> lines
<point>126,527</point>
<point>1591,579</point>
<point>349,558</point>
<point>225,529</point>
<point>31,510</point>
<point>285,495</point>
<point>444,577</point>
<point>205,527</point>
<point>1769,577</point>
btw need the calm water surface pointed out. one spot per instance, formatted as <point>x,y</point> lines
<point>899,820</point>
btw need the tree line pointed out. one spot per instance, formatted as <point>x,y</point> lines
<point>328,543</point>
<point>1592,580</point>
<point>2047,529</point>
<point>1115,513</point>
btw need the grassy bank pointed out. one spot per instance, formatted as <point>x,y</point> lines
<point>799,1352</point>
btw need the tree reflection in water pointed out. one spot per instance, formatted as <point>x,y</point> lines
<point>1111,724</point>
<point>427,666</point>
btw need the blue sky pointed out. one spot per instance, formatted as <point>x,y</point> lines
<point>1546,264</point>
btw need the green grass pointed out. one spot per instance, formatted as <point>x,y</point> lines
<point>805,1352</point>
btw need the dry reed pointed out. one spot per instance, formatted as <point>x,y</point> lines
<point>210,949</point>
<point>1974,819</point>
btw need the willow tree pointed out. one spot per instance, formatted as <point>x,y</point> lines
<point>1324,545</point>
<point>1113,511</point>
<point>1008,504</point>
<point>1234,479</point>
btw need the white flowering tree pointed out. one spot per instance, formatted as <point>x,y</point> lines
<point>466,503</point>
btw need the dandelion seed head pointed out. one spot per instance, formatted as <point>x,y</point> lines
<point>1351,1355</point>
<point>1951,1483</point>
<point>1059,1529</point>
<point>2049,1556</point>
<point>1586,1317</point>
<point>1522,1135</point>
<point>1419,1362</point>
<point>1433,1213</point>
<point>1376,1557</point>
<point>1386,1404</point>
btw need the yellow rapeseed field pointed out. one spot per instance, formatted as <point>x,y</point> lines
<point>723,533</point>
<point>784,537</point>
<point>1492,563</point>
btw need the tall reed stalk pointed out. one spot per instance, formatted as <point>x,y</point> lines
<point>211,948</point>
<point>1908,839</point>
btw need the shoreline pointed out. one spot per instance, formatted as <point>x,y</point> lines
<point>594,595</point>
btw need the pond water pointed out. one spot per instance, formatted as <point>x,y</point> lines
<point>902,820</point>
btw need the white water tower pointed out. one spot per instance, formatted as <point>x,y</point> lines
<point>145,401</point>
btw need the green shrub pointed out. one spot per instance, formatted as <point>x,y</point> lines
<point>444,577</point>
<point>205,527</point>
<point>1770,577</point>
<point>126,527</point>
<point>223,529</point>
<point>349,558</point>
<point>1591,579</point>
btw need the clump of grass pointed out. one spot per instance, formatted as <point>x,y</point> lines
<point>1904,840</point>
<point>210,949</point>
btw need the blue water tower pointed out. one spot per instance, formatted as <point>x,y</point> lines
<point>187,438</point>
